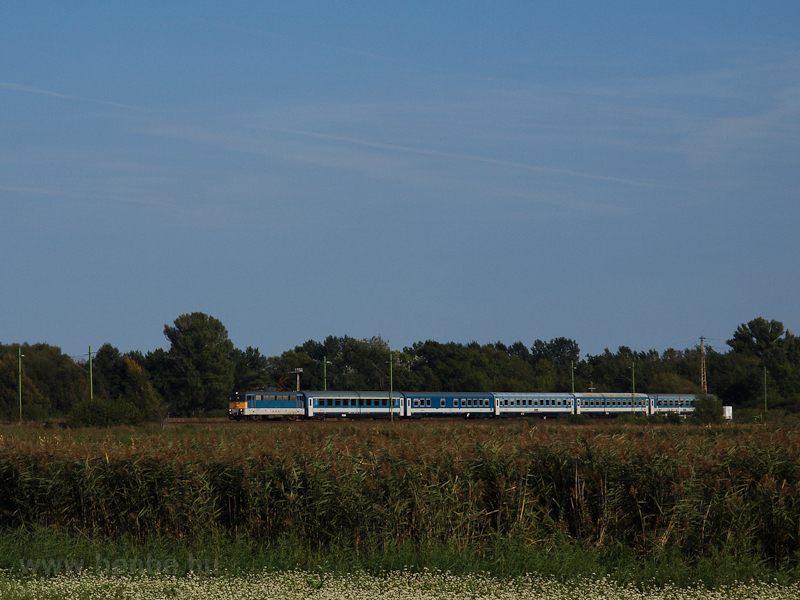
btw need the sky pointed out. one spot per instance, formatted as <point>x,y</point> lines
<point>617,173</point>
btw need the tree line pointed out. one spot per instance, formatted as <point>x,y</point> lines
<point>195,376</point>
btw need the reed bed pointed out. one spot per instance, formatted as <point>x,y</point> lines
<point>655,491</point>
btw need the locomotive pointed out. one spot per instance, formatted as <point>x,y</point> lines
<point>273,404</point>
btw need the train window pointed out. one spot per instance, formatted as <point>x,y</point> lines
<point>442,403</point>
<point>416,401</point>
<point>427,401</point>
<point>338,402</point>
<point>469,402</point>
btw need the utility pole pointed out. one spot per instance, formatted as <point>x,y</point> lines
<point>703,383</point>
<point>298,371</point>
<point>765,389</point>
<point>391,394</point>
<point>19,365</point>
<point>572,372</point>
<point>91,380</point>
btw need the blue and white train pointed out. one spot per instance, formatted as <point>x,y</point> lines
<point>271,404</point>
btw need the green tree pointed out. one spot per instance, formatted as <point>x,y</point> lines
<point>35,406</point>
<point>59,379</point>
<point>758,336</point>
<point>251,369</point>
<point>200,359</point>
<point>708,410</point>
<point>108,372</point>
<point>122,391</point>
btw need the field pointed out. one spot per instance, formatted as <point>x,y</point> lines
<point>639,505</point>
<point>402,585</point>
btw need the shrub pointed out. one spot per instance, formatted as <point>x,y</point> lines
<point>708,410</point>
<point>104,413</point>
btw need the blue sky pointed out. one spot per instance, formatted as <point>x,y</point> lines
<point>614,173</point>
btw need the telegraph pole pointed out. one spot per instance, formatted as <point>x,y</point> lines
<point>572,372</point>
<point>91,381</point>
<point>703,383</point>
<point>19,365</point>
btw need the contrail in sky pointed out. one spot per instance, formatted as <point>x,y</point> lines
<point>472,157</point>
<point>24,88</point>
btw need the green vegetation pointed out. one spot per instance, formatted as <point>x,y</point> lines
<point>400,584</point>
<point>636,502</point>
<point>201,367</point>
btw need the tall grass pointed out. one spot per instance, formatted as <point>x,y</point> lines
<point>359,492</point>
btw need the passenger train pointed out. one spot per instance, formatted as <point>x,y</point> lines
<point>272,404</point>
